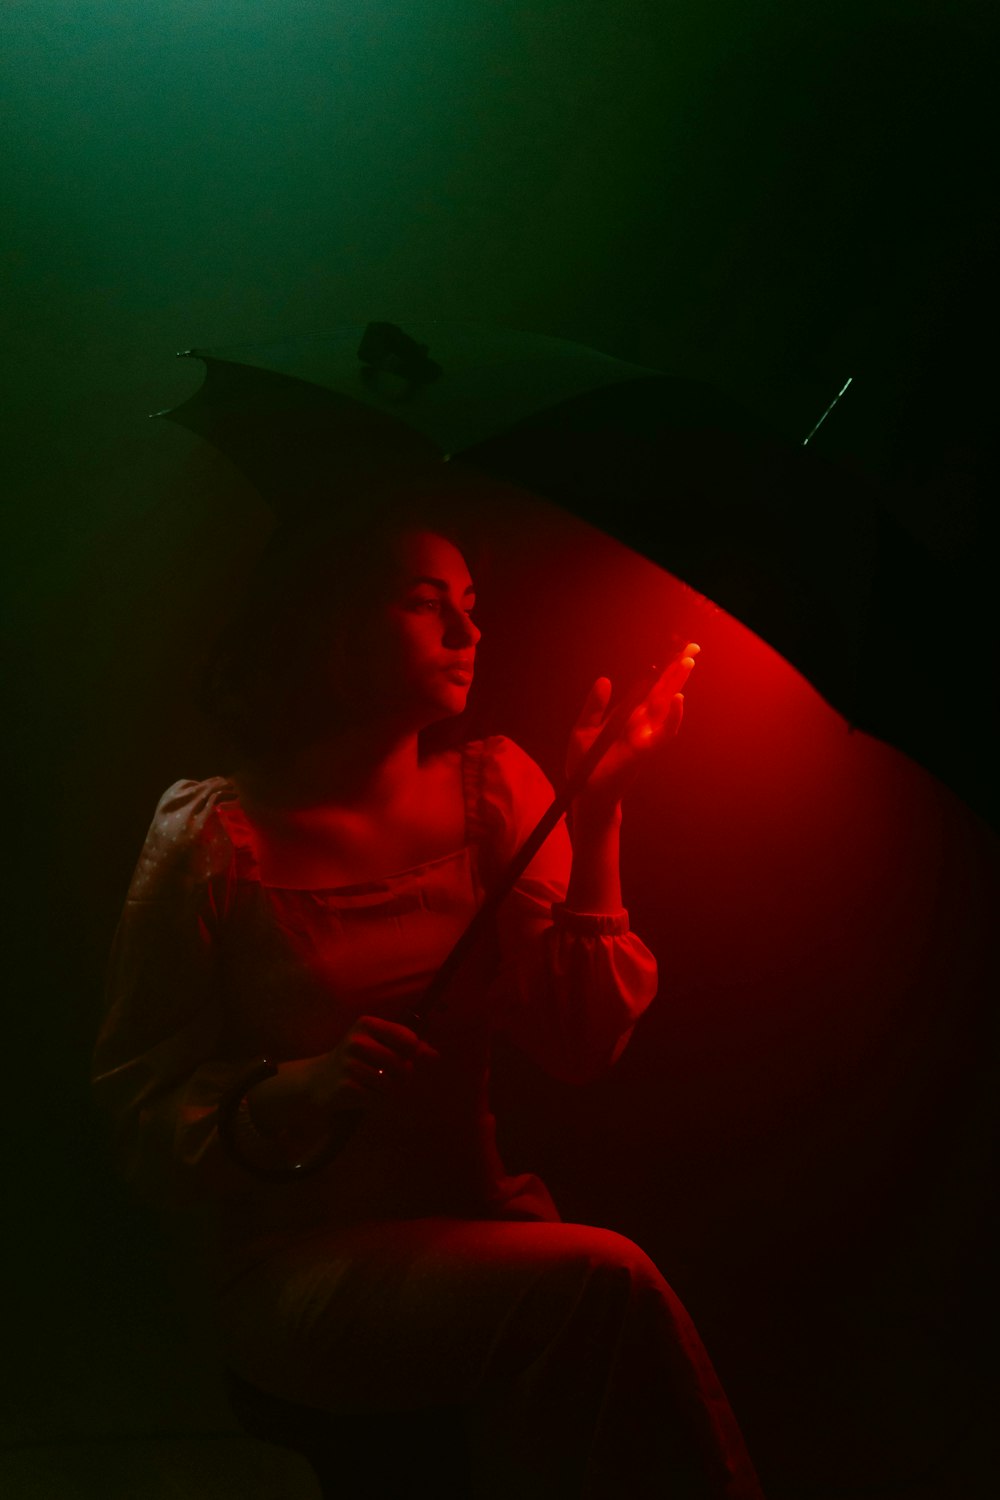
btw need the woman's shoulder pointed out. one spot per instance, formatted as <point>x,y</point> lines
<point>507,758</point>
<point>512,788</point>
<point>187,836</point>
<point>189,799</point>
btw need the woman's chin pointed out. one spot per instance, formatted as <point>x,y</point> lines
<point>449,701</point>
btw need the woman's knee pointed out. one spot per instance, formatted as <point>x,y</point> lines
<point>618,1257</point>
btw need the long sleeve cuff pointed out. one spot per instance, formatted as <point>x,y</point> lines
<point>590,923</point>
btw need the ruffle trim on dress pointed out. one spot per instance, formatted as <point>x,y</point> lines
<point>236,824</point>
<point>473,765</point>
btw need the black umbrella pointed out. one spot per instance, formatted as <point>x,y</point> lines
<point>804,553</point>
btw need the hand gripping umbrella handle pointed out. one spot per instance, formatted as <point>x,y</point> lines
<point>345,1122</point>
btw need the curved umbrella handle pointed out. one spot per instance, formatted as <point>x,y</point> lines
<point>344,1124</point>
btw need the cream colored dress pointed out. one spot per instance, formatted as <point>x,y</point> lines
<point>413,1270</point>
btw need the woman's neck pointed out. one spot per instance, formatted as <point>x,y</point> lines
<point>368,767</point>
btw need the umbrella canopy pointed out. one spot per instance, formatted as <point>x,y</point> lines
<point>798,550</point>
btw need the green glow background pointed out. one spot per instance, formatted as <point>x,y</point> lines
<point>767,196</point>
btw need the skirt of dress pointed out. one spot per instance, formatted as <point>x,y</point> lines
<point>581,1373</point>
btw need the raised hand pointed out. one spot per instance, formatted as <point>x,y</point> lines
<point>656,720</point>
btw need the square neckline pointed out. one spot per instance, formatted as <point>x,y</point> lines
<point>241,833</point>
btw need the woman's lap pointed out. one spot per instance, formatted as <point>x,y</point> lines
<point>416,1312</point>
<point>577,1362</point>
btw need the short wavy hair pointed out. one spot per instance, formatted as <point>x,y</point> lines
<point>303,610</point>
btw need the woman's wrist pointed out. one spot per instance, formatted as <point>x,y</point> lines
<point>595,884</point>
<point>593,817</point>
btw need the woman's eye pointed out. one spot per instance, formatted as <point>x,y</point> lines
<point>434,606</point>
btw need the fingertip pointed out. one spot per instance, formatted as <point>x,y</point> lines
<point>598,697</point>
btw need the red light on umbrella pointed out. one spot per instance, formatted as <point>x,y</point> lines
<point>802,553</point>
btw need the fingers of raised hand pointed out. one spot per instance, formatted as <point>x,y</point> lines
<point>676,673</point>
<point>655,721</point>
<point>670,682</point>
<point>660,715</point>
<point>595,705</point>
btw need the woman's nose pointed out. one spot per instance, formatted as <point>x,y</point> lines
<point>462,631</point>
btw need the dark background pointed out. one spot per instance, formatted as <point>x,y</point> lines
<point>763,196</point>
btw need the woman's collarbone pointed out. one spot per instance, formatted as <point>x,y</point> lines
<point>339,846</point>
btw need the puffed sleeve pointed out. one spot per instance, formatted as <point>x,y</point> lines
<point>572,984</point>
<point>158,1069</point>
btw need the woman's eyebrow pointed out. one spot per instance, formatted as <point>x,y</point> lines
<point>439,583</point>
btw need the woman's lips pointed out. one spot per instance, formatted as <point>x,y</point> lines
<point>462,675</point>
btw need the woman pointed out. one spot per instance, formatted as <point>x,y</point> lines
<point>297,909</point>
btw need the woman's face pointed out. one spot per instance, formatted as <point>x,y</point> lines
<point>424,639</point>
